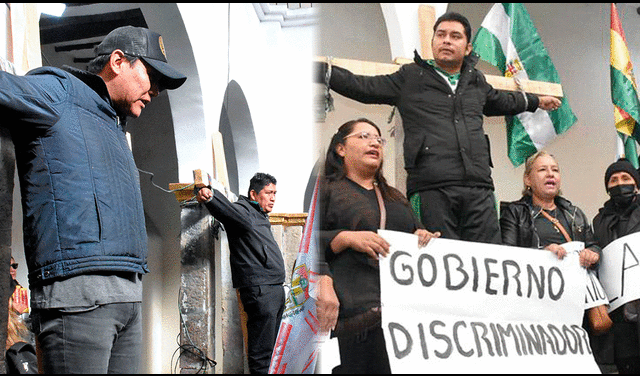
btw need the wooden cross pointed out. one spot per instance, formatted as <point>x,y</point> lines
<point>426,16</point>
<point>184,191</point>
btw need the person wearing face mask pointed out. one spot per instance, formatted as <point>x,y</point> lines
<point>618,217</point>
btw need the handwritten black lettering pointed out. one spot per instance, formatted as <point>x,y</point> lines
<point>567,332</point>
<point>515,265</point>
<point>434,269</point>
<point>457,341</point>
<point>465,275</point>
<point>474,264</point>
<point>393,328</point>
<point>531,275</point>
<point>555,332</point>
<point>524,345</point>
<point>474,326</point>
<point>488,289</point>
<point>447,352</point>
<point>423,342</point>
<point>405,267</point>
<point>546,338</point>
<point>555,271</point>
<point>533,339</point>
<point>583,337</point>
<point>496,338</point>
<point>508,332</point>
<point>626,250</point>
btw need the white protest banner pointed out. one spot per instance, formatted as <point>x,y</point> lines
<point>619,272</point>
<point>463,307</point>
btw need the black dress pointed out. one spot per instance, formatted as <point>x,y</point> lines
<point>347,206</point>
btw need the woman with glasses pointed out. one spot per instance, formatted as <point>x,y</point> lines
<point>355,201</point>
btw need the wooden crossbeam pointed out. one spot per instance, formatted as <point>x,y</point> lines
<point>368,68</point>
<point>427,18</point>
<point>202,178</point>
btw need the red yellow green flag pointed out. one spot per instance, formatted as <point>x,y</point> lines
<point>624,90</point>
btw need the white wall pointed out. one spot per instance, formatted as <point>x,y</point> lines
<point>271,65</point>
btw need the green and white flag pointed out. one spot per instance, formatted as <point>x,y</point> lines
<point>508,40</point>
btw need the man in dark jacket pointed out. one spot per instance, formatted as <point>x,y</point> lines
<point>257,266</point>
<point>620,216</point>
<point>84,230</point>
<point>446,151</point>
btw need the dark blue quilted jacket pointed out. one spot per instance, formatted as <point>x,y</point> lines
<point>80,188</point>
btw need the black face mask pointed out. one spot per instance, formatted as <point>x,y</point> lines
<point>622,194</point>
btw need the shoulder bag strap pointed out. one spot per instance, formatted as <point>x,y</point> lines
<point>556,223</point>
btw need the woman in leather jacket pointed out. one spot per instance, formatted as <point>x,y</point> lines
<point>529,222</point>
<point>523,223</point>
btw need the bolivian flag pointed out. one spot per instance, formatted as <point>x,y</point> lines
<point>624,90</point>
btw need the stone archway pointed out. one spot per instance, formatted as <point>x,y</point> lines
<point>240,145</point>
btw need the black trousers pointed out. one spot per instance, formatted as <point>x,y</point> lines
<point>364,353</point>
<point>264,306</point>
<point>461,213</point>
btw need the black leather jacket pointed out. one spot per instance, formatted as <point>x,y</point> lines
<point>517,224</point>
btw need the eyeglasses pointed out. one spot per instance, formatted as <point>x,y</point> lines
<point>364,135</point>
<point>14,265</point>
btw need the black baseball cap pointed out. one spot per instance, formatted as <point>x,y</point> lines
<point>148,46</point>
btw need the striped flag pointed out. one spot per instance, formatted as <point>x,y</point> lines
<point>626,107</point>
<point>508,40</point>
<point>296,348</point>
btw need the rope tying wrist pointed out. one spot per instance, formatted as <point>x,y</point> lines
<point>521,90</point>
<point>328,104</point>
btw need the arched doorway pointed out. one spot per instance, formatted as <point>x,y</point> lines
<point>240,146</point>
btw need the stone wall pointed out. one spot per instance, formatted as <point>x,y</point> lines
<point>212,318</point>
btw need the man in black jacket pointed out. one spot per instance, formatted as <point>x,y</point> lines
<point>257,266</point>
<point>446,152</point>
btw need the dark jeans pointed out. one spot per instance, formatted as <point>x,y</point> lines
<point>461,213</point>
<point>106,339</point>
<point>364,353</point>
<point>264,306</point>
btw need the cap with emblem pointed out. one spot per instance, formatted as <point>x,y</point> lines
<point>148,46</point>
